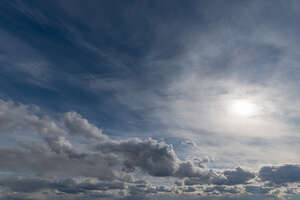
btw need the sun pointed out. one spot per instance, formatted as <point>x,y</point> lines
<point>243,108</point>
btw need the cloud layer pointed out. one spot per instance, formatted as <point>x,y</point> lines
<point>58,162</point>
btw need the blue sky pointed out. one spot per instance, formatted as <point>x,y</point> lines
<point>149,99</point>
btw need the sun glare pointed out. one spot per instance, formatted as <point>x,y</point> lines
<point>243,108</point>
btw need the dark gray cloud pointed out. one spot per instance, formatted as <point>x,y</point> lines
<point>41,161</point>
<point>91,188</point>
<point>215,189</point>
<point>238,176</point>
<point>108,159</point>
<point>257,189</point>
<point>29,185</point>
<point>156,158</point>
<point>289,173</point>
<point>94,188</point>
<point>225,177</point>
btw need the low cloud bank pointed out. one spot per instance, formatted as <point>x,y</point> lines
<point>104,164</point>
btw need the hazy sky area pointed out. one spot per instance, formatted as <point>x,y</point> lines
<point>149,100</point>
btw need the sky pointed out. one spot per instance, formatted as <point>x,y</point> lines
<point>149,100</point>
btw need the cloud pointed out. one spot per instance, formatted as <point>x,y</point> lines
<point>101,157</point>
<point>160,159</point>
<point>70,185</point>
<point>225,177</point>
<point>155,158</point>
<point>19,118</point>
<point>282,174</point>
<point>257,189</point>
<point>173,67</point>
<point>238,176</point>
<point>90,187</point>
<point>60,188</point>
<point>105,164</point>
<point>41,161</point>
<point>77,125</point>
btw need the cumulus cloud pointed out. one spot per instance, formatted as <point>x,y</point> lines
<point>155,158</point>
<point>41,161</point>
<point>225,177</point>
<point>76,187</point>
<point>109,164</point>
<point>282,174</point>
<point>76,125</point>
<point>238,176</point>
<point>108,158</point>
<point>18,117</point>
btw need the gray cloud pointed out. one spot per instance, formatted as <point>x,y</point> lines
<point>238,176</point>
<point>156,158</point>
<point>257,189</point>
<point>112,161</point>
<point>108,159</point>
<point>215,189</point>
<point>226,177</point>
<point>41,161</point>
<point>77,125</point>
<point>282,174</point>
<point>19,117</point>
<point>71,185</point>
